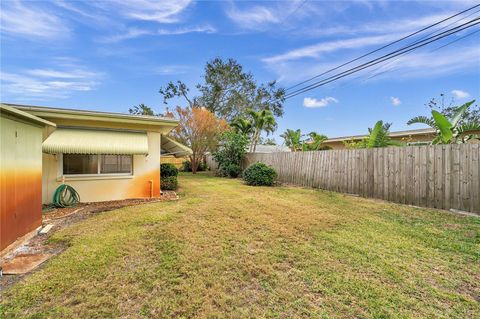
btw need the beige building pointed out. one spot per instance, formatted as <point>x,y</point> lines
<point>104,156</point>
<point>412,137</point>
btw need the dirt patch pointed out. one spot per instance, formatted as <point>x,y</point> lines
<point>60,218</point>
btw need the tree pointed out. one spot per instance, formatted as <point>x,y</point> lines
<point>378,137</point>
<point>314,142</point>
<point>142,109</point>
<point>268,141</point>
<point>448,109</point>
<point>230,153</point>
<point>242,126</point>
<point>451,129</point>
<point>261,121</point>
<point>293,139</point>
<point>228,91</point>
<point>199,129</point>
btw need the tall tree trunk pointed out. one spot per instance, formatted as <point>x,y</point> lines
<point>193,162</point>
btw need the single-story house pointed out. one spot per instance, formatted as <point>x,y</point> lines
<point>412,137</point>
<point>103,156</point>
<point>20,173</point>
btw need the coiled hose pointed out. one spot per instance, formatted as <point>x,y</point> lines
<point>65,196</point>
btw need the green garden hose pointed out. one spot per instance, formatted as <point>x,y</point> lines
<point>65,196</point>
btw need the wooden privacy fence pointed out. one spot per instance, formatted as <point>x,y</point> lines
<point>440,176</point>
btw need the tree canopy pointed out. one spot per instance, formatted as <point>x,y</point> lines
<point>199,129</point>
<point>228,91</point>
<point>142,109</point>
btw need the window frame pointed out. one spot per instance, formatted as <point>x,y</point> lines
<point>99,167</point>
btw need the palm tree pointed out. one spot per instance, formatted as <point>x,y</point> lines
<point>242,126</point>
<point>450,129</point>
<point>292,139</point>
<point>261,121</point>
<point>378,136</point>
<point>315,142</point>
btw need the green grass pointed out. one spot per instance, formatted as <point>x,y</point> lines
<point>227,250</point>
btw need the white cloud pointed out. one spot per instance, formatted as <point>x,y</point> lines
<point>135,33</point>
<point>395,101</point>
<point>48,83</point>
<point>314,51</point>
<point>252,17</point>
<point>166,11</point>
<point>172,69</point>
<point>31,22</point>
<point>314,103</point>
<point>199,29</point>
<point>459,94</point>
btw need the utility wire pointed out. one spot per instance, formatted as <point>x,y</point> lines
<point>429,34</point>
<point>383,47</point>
<point>386,57</point>
<point>436,49</point>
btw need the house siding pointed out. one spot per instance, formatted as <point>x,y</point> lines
<point>143,183</point>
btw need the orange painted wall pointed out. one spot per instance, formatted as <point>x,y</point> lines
<point>20,180</point>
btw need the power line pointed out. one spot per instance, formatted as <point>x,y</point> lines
<point>383,47</point>
<point>436,49</point>
<point>381,59</point>
<point>429,34</point>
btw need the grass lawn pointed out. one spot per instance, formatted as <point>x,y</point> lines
<point>229,250</point>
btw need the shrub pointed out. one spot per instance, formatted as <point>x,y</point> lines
<point>169,183</point>
<point>167,170</point>
<point>187,166</point>
<point>233,170</point>
<point>230,154</point>
<point>259,174</point>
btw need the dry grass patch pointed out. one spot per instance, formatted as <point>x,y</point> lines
<point>232,251</point>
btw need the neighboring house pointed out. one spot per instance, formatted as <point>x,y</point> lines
<point>20,173</point>
<point>271,149</point>
<point>412,137</point>
<point>104,156</point>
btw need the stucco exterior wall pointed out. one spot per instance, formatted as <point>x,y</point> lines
<point>143,183</point>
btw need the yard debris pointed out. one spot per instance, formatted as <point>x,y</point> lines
<point>45,229</point>
<point>24,263</point>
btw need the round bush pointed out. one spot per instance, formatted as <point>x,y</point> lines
<point>259,174</point>
<point>168,183</point>
<point>233,170</point>
<point>167,170</point>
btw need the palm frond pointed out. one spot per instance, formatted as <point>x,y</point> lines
<point>460,112</point>
<point>422,120</point>
<point>469,128</point>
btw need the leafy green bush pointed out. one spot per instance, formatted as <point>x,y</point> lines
<point>259,174</point>
<point>233,170</point>
<point>167,170</point>
<point>169,183</point>
<point>230,154</point>
<point>187,166</point>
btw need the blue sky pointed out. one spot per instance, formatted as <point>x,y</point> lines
<point>111,55</point>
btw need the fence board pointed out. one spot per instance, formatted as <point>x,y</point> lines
<point>442,176</point>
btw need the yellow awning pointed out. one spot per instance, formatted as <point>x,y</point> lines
<point>86,141</point>
<point>172,147</point>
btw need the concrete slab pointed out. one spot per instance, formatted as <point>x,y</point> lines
<point>45,229</point>
<point>22,264</point>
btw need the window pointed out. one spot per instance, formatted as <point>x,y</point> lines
<point>116,164</point>
<point>80,164</point>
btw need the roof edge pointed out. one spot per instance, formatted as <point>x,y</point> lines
<point>391,134</point>
<point>4,108</point>
<point>69,113</point>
